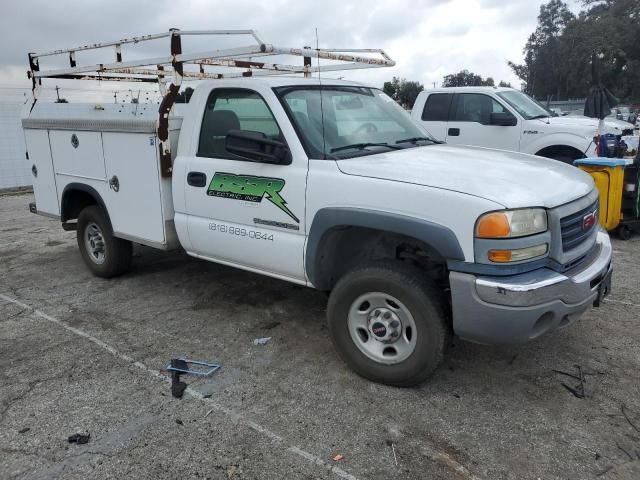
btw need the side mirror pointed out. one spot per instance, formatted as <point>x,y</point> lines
<point>503,119</point>
<point>257,147</point>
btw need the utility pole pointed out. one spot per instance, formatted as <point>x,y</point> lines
<point>58,93</point>
<point>434,84</point>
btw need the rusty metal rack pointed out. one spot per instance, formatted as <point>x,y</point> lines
<point>237,62</point>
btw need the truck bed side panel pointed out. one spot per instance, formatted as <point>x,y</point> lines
<point>77,153</point>
<point>44,182</point>
<point>136,208</point>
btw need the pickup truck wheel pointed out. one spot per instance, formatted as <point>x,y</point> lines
<point>387,323</point>
<point>105,255</point>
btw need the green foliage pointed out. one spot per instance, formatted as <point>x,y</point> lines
<point>465,78</point>
<point>403,91</point>
<point>558,54</point>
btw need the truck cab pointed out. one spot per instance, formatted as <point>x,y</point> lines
<point>505,119</point>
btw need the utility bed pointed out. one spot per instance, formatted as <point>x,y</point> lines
<point>111,148</point>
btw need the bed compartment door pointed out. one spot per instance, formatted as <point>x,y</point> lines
<point>133,199</point>
<point>44,181</point>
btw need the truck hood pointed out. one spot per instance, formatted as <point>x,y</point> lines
<point>586,125</point>
<point>510,179</point>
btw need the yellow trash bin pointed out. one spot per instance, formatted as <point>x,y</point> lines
<point>608,174</point>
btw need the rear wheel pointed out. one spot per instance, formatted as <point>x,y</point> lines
<point>105,255</point>
<point>387,323</point>
<point>624,232</point>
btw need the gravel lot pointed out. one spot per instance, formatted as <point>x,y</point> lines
<point>81,354</point>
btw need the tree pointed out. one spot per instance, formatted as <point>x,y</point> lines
<point>465,78</point>
<point>403,91</point>
<point>558,54</point>
<point>543,70</point>
<point>391,88</point>
<point>504,84</point>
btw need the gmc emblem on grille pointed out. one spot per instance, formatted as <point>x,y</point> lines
<point>589,220</point>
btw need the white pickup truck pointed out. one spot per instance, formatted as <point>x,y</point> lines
<point>506,119</point>
<point>330,184</point>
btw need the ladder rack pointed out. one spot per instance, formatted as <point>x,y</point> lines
<point>241,58</point>
<point>237,61</point>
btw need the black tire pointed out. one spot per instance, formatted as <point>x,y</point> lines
<point>117,252</point>
<point>624,232</point>
<point>423,300</point>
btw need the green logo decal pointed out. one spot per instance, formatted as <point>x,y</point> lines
<point>250,189</point>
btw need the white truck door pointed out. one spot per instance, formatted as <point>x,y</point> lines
<point>240,211</point>
<point>435,114</point>
<point>471,123</point>
<point>44,179</point>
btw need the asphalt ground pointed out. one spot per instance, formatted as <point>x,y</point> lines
<point>79,354</point>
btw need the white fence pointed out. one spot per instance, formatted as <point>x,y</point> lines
<point>15,169</point>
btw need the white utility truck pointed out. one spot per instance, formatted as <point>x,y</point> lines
<point>507,119</point>
<point>323,183</point>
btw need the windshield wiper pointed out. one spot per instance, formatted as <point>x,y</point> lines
<point>418,139</point>
<point>362,146</point>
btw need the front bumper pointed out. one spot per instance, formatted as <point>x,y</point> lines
<point>519,308</point>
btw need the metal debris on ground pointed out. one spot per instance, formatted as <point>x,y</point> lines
<point>183,366</point>
<point>192,367</point>
<point>24,430</point>
<point>578,390</point>
<point>262,341</point>
<point>79,438</point>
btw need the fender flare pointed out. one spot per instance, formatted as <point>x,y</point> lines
<point>83,188</point>
<point>440,238</point>
<point>559,139</point>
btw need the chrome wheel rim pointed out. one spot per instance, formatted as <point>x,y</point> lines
<point>94,242</point>
<point>382,328</point>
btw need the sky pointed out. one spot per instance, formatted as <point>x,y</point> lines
<point>428,39</point>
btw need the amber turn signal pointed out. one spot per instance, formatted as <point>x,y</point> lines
<point>493,225</point>
<point>500,256</point>
<point>517,255</point>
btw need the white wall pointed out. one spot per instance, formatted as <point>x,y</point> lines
<point>15,169</point>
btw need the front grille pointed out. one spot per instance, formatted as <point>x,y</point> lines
<point>571,228</point>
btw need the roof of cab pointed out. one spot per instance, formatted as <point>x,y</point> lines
<point>470,90</point>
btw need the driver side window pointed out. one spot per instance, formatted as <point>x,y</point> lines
<point>233,109</point>
<point>476,107</point>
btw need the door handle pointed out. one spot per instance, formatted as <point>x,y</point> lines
<point>453,132</point>
<point>196,179</point>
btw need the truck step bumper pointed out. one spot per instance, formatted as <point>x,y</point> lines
<point>519,308</point>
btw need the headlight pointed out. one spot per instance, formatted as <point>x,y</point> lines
<point>512,223</point>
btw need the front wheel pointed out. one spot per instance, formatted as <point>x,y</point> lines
<point>387,323</point>
<point>105,255</point>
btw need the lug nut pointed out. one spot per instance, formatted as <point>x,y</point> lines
<point>394,324</point>
<point>387,315</point>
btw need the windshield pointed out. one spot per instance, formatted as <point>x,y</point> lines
<point>525,105</point>
<point>353,121</point>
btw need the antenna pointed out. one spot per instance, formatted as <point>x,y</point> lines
<point>324,143</point>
